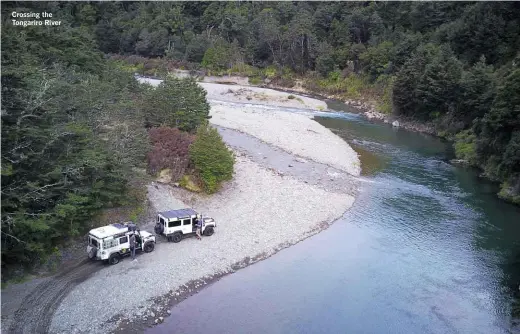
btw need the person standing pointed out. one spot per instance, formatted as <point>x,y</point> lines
<point>199,228</point>
<point>132,245</point>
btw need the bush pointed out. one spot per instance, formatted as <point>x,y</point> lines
<point>255,80</point>
<point>270,72</point>
<point>465,146</point>
<point>212,160</point>
<point>170,150</point>
<point>177,103</point>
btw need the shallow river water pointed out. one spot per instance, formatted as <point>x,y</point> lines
<point>426,248</point>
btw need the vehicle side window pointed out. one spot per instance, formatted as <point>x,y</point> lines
<point>174,223</point>
<point>109,243</point>
<point>186,222</point>
<point>93,242</point>
<point>123,240</point>
<point>161,220</point>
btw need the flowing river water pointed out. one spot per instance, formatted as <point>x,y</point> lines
<point>426,248</point>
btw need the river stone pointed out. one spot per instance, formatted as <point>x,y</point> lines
<point>395,123</point>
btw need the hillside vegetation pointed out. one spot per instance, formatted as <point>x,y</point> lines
<point>79,133</point>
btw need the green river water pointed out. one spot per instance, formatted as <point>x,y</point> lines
<point>426,248</point>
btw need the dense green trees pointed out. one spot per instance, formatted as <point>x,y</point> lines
<point>56,172</point>
<point>74,131</point>
<point>211,158</point>
<point>179,103</point>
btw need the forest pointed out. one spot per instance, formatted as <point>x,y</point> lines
<point>452,64</point>
<point>75,124</point>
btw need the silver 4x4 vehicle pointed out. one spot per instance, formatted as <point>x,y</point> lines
<point>110,243</point>
<point>175,224</point>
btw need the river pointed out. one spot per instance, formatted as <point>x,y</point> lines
<point>426,248</point>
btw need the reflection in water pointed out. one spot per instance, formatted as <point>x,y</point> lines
<point>426,248</point>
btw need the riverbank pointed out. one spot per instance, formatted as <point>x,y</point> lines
<point>366,107</point>
<point>261,211</point>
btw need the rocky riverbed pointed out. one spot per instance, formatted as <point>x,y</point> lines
<point>262,210</point>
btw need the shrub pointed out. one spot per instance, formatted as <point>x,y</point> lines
<point>385,87</point>
<point>270,72</point>
<point>170,150</point>
<point>255,80</point>
<point>465,146</point>
<point>291,97</point>
<point>178,103</point>
<point>212,160</point>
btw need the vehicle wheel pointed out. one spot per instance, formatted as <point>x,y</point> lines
<point>149,247</point>
<point>208,231</point>
<point>159,228</point>
<point>177,236</point>
<point>92,253</point>
<point>114,258</point>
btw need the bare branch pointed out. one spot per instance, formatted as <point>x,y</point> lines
<point>13,237</point>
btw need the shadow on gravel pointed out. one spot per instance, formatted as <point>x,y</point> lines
<point>36,311</point>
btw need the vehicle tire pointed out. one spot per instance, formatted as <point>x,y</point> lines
<point>159,228</point>
<point>114,258</point>
<point>149,247</point>
<point>209,231</point>
<point>92,253</point>
<point>177,237</point>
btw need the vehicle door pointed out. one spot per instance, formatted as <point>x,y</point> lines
<point>124,243</point>
<point>163,222</point>
<point>186,226</point>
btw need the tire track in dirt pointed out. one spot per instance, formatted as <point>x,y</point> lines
<point>35,313</point>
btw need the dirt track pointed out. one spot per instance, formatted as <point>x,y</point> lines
<point>35,312</point>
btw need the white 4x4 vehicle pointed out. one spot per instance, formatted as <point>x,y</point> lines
<point>175,224</point>
<point>110,243</point>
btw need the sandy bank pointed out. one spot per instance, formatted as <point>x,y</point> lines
<point>237,93</point>
<point>295,133</point>
<point>250,94</point>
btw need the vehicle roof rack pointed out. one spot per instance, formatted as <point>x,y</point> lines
<point>182,213</point>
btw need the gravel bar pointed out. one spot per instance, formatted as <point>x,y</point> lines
<point>127,290</point>
<point>294,133</point>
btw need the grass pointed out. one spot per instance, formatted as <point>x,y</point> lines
<point>255,80</point>
<point>188,182</point>
<point>17,280</point>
